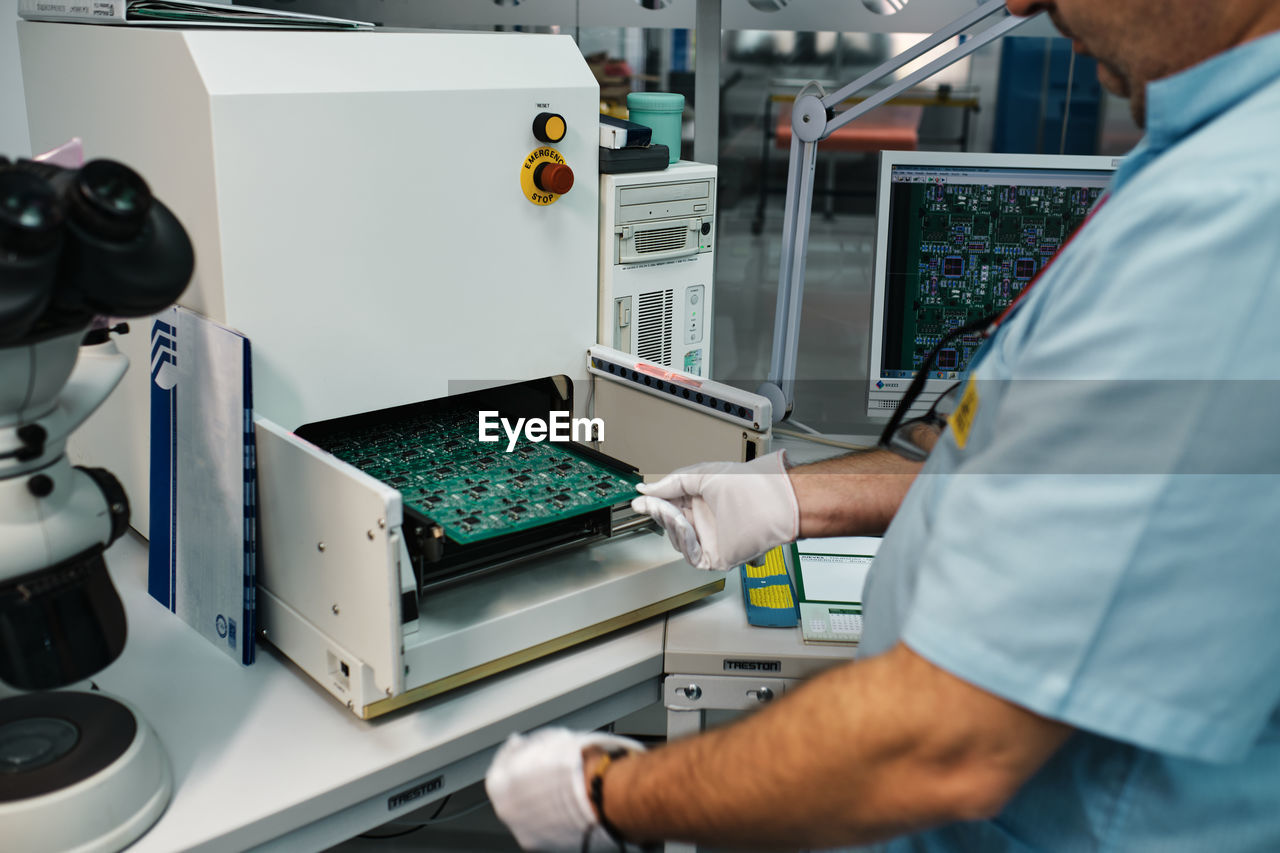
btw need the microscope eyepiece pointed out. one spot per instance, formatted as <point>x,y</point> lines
<point>30,216</point>
<point>109,200</point>
<point>80,242</point>
<point>126,254</point>
<point>31,236</point>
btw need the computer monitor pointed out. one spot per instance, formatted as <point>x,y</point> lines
<point>958,236</point>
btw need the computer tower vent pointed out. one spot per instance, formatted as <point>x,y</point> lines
<point>661,240</point>
<point>654,326</point>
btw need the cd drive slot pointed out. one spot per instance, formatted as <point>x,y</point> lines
<point>664,193</point>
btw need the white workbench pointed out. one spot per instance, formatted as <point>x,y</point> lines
<point>717,662</point>
<point>264,758</point>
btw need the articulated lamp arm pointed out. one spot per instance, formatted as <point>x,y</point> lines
<point>813,120</point>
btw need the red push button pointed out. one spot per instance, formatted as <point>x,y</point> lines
<point>553,178</point>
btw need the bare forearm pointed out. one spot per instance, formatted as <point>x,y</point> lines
<point>715,789</point>
<point>853,495</point>
<point>867,751</point>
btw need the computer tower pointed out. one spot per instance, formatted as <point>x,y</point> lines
<point>657,233</point>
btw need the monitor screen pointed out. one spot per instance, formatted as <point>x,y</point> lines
<point>958,237</point>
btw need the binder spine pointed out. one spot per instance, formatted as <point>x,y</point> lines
<point>91,11</point>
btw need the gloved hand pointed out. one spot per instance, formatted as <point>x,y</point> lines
<point>722,514</point>
<point>537,788</point>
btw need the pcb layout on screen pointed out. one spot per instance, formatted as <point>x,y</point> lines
<point>959,236</point>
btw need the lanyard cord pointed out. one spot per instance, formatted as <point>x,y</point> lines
<point>986,325</point>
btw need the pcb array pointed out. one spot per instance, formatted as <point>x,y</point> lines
<point>972,249</point>
<point>476,490</point>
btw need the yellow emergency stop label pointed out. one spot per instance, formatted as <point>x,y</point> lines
<point>961,420</point>
<point>545,154</point>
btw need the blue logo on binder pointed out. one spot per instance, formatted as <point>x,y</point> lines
<point>164,356</point>
<point>161,580</point>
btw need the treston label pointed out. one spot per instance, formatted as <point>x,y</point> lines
<point>752,665</point>
<point>417,792</point>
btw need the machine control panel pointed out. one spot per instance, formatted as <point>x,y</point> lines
<point>694,313</point>
<point>545,176</point>
<point>549,127</point>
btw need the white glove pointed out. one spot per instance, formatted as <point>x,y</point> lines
<point>722,514</point>
<point>536,786</point>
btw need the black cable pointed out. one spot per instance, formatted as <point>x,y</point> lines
<point>471,809</point>
<point>392,835</point>
<point>443,803</point>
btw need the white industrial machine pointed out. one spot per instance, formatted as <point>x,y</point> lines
<point>657,231</point>
<point>361,203</point>
<point>394,219</point>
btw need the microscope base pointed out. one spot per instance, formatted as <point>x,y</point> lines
<point>83,772</point>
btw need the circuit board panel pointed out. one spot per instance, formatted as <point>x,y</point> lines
<point>476,490</point>
<point>972,248</point>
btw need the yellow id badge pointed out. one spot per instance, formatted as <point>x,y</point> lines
<point>962,418</point>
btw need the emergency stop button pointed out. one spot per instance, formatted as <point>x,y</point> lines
<point>548,127</point>
<point>545,176</point>
<point>553,178</point>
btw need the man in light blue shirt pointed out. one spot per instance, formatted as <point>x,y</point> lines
<point>1072,635</point>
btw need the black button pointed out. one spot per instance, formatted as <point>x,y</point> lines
<point>41,485</point>
<point>549,127</point>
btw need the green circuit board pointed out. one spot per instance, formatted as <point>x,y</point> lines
<point>972,250</point>
<point>476,490</point>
